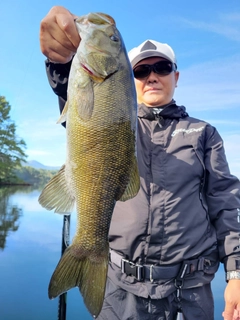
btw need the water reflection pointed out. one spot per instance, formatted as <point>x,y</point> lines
<point>30,256</point>
<point>9,214</point>
<point>32,239</point>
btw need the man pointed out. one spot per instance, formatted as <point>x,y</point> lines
<point>166,243</point>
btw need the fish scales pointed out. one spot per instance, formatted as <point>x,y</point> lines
<point>101,166</point>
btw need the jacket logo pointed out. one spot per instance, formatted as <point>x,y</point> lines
<point>187,131</point>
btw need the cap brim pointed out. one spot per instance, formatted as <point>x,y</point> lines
<point>149,54</point>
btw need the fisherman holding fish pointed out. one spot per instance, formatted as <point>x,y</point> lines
<point>166,242</point>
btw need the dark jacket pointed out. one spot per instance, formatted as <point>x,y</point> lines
<point>188,202</point>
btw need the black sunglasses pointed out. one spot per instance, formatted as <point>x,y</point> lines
<point>163,68</point>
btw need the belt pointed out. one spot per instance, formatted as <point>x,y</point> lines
<point>141,272</point>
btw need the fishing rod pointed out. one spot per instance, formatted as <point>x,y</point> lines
<point>180,316</point>
<point>62,302</point>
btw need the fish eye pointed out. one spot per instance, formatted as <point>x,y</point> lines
<point>114,38</point>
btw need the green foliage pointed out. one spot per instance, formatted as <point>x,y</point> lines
<point>34,176</point>
<point>11,146</point>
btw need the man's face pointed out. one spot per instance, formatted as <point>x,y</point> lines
<point>155,90</point>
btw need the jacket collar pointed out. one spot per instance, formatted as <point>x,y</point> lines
<point>170,111</point>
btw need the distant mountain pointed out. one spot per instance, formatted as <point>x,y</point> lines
<point>37,165</point>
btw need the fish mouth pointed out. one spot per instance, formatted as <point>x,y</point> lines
<point>97,18</point>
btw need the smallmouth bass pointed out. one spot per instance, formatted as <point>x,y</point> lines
<point>101,165</point>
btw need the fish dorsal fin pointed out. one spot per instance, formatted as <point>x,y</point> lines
<point>134,183</point>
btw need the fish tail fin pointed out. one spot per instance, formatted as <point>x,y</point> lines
<point>86,273</point>
<point>93,283</point>
<point>56,194</point>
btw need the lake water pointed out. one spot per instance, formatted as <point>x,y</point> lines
<point>30,247</point>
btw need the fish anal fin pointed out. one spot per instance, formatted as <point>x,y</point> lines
<point>134,183</point>
<point>56,194</point>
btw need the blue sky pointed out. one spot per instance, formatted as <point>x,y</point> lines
<point>204,35</point>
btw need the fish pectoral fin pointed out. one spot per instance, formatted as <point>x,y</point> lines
<point>134,183</point>
<point>84,100</point>
<point>63,116</point>
<point>56,195</point>
<point>89,276</point>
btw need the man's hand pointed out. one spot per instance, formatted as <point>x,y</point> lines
<point>59,38</point>
<point>232,300</point>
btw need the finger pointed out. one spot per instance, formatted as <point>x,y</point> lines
<point>50,30</point>
<point>59,37</point>
<point>59,56</point>
<point>52,48</point>
<point>67,25</point>
<point>65,21</point>
<point>54,43</point>
<point>228,313</point>
<point>235,315</point>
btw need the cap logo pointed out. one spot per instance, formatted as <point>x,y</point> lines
<point>148,45</point>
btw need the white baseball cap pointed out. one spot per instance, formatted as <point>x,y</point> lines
<point>151,48</point>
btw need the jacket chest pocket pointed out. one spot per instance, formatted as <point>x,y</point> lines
<point>184,158</point>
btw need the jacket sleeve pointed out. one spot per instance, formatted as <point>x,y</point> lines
<point>58,79</point>
<point>223,200</point>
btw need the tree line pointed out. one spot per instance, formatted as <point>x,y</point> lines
<point>13,156</point>
<point>34,176</point>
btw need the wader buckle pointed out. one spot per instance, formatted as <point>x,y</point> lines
<point>180,277</point>
<point>132,269</point>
